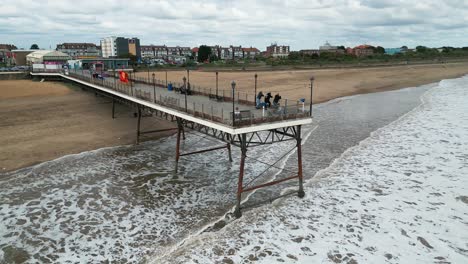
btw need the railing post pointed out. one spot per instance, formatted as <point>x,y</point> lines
<point>233,86</point>
<point>311,90</point>
<point>255,93</point>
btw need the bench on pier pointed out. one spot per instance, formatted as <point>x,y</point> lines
<point>242,115</point>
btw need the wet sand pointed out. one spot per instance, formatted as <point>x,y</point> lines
<point>44,121</point>
<point>329,83</point>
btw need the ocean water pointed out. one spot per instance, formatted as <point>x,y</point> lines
<point>126,204</point>
<point>399,196</point>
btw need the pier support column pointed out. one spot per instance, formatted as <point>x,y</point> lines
<point>229,151</point>
<point>138,126</point>
<point>179,130</point>
<point>243,143</point>
<point>300,193</point>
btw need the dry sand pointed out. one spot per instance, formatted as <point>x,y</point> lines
<point>329,83</point>
<point>43,121</point>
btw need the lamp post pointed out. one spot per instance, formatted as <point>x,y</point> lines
<point>255,94</point>
<point>233,85</point>
<point>311,90</point>
<point>216,85</point>
<point>154,88</point>
<point>166,78</point>
<point>185,92</point>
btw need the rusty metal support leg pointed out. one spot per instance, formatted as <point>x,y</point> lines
<point>243,143</point>
<point>138,126</point>
<point>183,132</point>
<point>229,151</point>
<point>300,193</point>
<point>179,129</point>
<point>113,108</point>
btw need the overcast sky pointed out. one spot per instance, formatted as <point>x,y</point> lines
<point>302,24</point>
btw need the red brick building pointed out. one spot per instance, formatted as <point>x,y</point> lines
<point>275,50</point>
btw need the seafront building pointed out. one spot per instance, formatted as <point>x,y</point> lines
<point>6,54</point>
<point>393,51</point>
<point>79,50</point>
<point>112,47</point>
<point>47,57</point>
<point>275,50</point>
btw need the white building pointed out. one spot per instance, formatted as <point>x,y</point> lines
<point>109,47</point>
<point>47,57</point>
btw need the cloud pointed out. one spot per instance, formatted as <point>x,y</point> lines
<point>299,23</point>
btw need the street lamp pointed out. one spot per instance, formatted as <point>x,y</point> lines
<point>255,95</point>
<point>233,85</point>
<point>311,89</point>
<point>154,88</point>
<point>166,78</point>
<point>185,92</point>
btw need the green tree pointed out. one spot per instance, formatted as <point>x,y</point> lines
<point>421,49</point>
<point>204,53</point>
<point>34,47</point>
<point>294,55</point>
<point>379,50</point>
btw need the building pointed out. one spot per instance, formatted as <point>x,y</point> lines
<point>275,50</point>
<point>108,47</point>
<point>173,51</point>
<point>393,51</point>
<point>19,56</point>
<point>112,47</point>
<point>111,63</point>
<point>6,54</point>
<point>195,53</point>
<point>236,52</point>
<point>250,53</point>
<point>224,53</point>
<point>79,50</point>
<point>147,52</point>
<point>363,50</point>
<point>327,47</point>
<point>47,57</point>
<point>185,51</point>
<point>160,51</point>
<point>134,47</point>
<point>310,52</point>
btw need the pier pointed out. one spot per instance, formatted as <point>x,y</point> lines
<point>226,115</point>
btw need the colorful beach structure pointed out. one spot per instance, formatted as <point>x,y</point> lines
<point>231,117</point>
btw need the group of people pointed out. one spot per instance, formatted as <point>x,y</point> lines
<point>267,103</point>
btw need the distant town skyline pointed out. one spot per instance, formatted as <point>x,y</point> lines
<point>299,24</point>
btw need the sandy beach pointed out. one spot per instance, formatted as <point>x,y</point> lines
<point>329,83</point>
<point>43,121</point>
